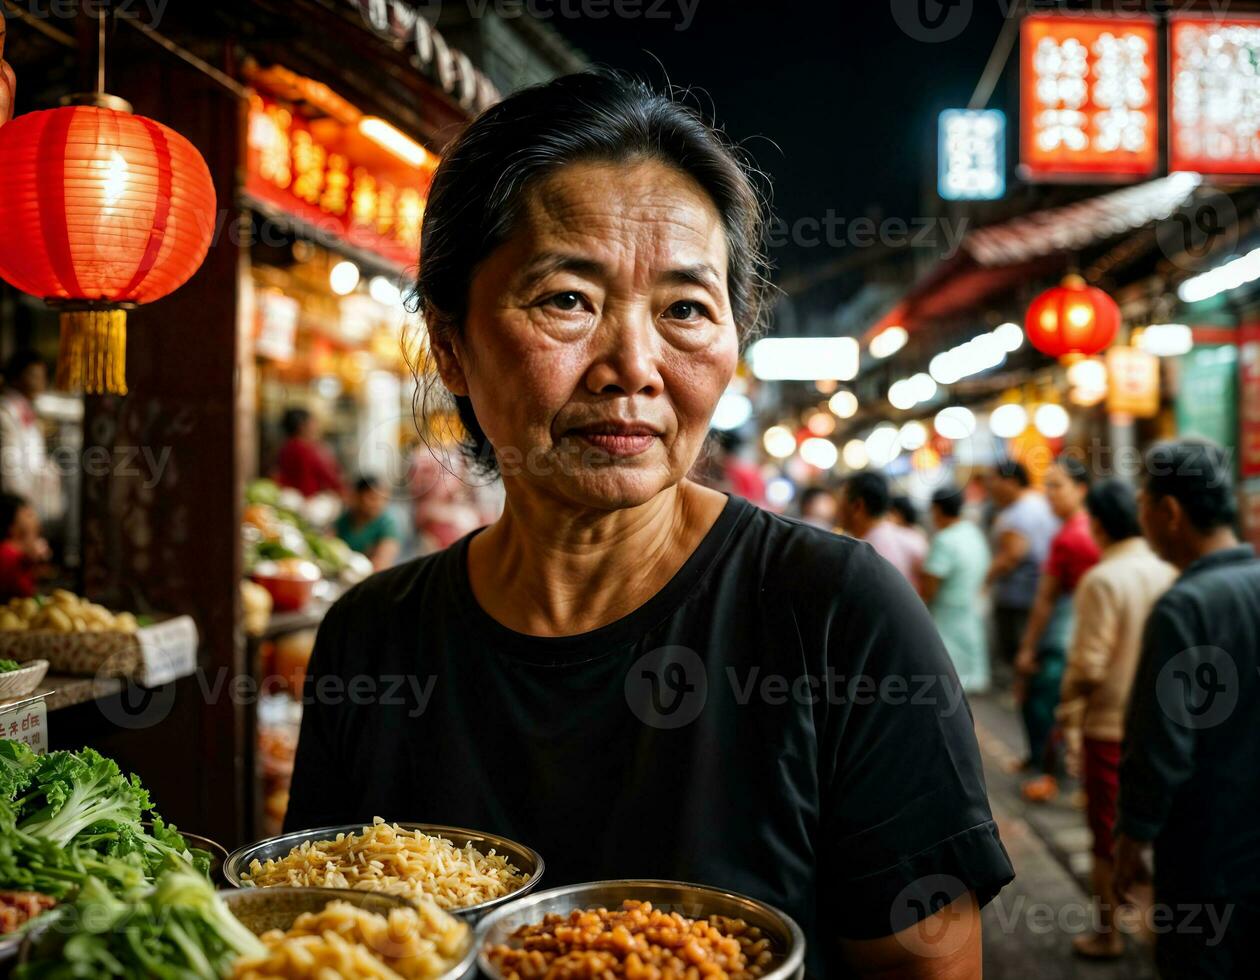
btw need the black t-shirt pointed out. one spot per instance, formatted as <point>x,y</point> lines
<point>781,720</point>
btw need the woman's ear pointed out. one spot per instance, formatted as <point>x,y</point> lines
<point>450,368</point>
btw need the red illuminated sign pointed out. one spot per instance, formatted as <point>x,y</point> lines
<point>324,183</point>
<point>1214,117</point>
<point>1089,97</point>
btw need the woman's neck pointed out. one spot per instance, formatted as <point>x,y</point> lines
<point>548,570</point>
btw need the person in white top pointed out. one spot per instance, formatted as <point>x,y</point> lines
<point>25,467</point>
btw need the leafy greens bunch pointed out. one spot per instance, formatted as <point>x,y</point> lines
<point>68,816</point>
<point>178,930</point>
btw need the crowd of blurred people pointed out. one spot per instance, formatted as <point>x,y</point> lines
<point>1124,623</point>
<point>432,501</point>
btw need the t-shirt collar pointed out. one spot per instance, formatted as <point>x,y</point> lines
<point>1225,556</point>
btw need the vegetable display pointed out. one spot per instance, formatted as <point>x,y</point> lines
<point>275,530</point>
<point>68,817</point>
<point>178,930</point>
<point>64,612</point>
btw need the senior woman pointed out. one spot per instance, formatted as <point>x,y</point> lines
<point>638,676</point>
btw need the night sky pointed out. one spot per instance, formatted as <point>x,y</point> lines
<point>836,102</point>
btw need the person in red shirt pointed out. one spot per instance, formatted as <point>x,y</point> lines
<point>22,551</point>
<point>304,463</point>
<point>1043,653</point>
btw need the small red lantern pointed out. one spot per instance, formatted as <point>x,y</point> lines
<point>1072,319</point>
<point>100,210</point>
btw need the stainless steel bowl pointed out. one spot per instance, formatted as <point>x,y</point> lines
<point>526,859</point>
<point>693,901</point>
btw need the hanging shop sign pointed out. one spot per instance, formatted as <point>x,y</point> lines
<point>1207,405</point>
<point>1214,95</point>
<point>971,155</point>
<point>1089,97</point>
<point>290,168</point>
<point>402,23</point>
<point>1133,382</point>
<point>1249,407</point>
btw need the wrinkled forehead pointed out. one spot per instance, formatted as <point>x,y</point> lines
<point>639,218</point>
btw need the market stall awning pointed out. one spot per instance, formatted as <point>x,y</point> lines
<point>1001,257</point>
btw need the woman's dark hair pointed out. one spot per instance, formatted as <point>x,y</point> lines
<point>1197,474</point>
<point>10,504</point>
<point>904,506</point>
<point>948,500</point>
<point>293,420</point>
<point>872,489</point>
<point>1076,471</point>
<point>1009,469</point>
<point>479,190</point>
<point>367,482</point>
<point>18,362</point>
<point>1113,504</point>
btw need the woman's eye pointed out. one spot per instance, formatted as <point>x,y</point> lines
<point>565,302</point>
<point>685,309</point>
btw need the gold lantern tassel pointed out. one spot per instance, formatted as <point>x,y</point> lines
<point>93,353</point>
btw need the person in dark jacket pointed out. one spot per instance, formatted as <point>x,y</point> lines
<point>1190,769</point>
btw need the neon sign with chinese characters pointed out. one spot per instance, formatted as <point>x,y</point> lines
<point>333,182</point>
<point>971,155</point>
<point>1214,94</point>
<point>1089,97</point>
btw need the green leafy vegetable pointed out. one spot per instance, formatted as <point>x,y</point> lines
<point>82,790</point>
<point>68,816</point>
<point>8,666</point>
<point>179,930</point>
<point>17,764</point>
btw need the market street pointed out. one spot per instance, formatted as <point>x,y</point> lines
<point>1023,934</point>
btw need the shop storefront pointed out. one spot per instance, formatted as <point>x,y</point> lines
<point>320,166</point>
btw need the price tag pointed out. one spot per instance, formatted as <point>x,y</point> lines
<point>168,651</point>
<point>27,722</point>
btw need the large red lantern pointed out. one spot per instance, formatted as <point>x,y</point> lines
<point>1072,319</point>
<point>100,210</point>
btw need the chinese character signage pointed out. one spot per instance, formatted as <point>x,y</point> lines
<point>1089,97</point>
<point>292,168</point>
<point>27,722</point>
<point>971,155</point>
<point>1133,382</point>
<point>1249,408</point>
<point>1214,91</point>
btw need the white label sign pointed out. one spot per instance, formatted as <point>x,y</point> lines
<point>168,651</point>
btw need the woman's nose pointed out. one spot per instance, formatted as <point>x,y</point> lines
<point>629,363</point>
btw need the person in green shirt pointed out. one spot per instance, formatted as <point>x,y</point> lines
<point>367,526</point>
<point>951,582</point>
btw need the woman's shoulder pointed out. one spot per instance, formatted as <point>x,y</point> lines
<point>792,555</point>
<point>397,589</point>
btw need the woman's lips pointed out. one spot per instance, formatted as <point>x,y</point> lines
<point>619,441</point>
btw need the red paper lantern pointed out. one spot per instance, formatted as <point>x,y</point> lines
<point>1071,319</point>
<point>100,210</point>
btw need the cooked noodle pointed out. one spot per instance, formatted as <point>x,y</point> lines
<point>387,858</point>
<point>347,942</point>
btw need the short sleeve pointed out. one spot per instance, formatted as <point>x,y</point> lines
<point>1059,559</point>
<point>906,824</point>
<point>941,559</point>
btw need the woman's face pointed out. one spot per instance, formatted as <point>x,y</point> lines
<point>1064,494</point>
<point>600,337</point>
